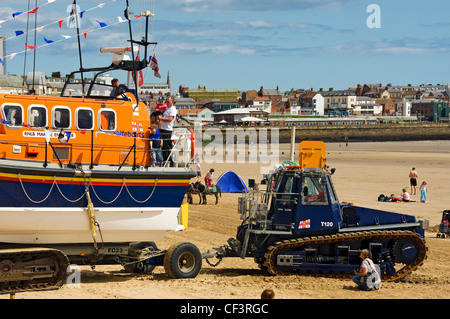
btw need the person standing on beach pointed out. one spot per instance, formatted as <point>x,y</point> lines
<point>423,192</point>
<point>413,180</point>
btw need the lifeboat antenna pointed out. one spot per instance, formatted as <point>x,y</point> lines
<point>132,51</point>
<point>75,14</point>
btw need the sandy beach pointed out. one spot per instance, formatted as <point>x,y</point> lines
<point>363,172</point>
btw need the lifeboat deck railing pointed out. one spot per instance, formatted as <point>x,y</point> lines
<point>180,154</point>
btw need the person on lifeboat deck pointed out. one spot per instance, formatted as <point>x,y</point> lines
<point>161,105</point>
<point>118,89</point>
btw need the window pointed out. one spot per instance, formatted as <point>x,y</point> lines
<point>84,119</point>
<point>37,116</point>
<point>107,120</point>
<point>13,114</point>
<point>313,189</point>
<point>61,117</point>
<point>286,192</point>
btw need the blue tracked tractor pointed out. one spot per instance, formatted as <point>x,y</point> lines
<point>298,226</point>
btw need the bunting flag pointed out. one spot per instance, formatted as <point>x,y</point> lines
<point>154,65</point>
<point>34,10</point>
<point>48,41</point>
<point>85,33</point>
<point>60,22</point>
<point>1,61</point>
<point>68,134</point>
<point>72,14</point>
<point>47,134</point>
<point>18,32</point>
<point>102,24</point>
<point>15,14</point>
<point>126,13</point>
<point>31,47</point>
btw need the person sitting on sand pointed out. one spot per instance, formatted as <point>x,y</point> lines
<point>405,196</point>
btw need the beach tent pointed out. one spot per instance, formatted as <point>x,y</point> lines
<point>230,182</point>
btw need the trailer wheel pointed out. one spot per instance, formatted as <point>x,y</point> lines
<point>183,260</point>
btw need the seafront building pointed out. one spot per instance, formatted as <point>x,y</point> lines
<point>424,102</point>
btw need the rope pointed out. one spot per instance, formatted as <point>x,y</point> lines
<point>36,202</point>
<point>86,193</point>
<point>213,265</point>
<point>151,194</point>
<point>104,202</point>
<point>67,199</point>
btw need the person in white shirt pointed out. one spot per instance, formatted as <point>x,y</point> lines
<point>166,128</point>
<point>368,276</point>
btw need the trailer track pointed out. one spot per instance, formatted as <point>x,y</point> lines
<point>32,269</point>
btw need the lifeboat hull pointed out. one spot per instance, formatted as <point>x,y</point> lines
<point>49,206</point>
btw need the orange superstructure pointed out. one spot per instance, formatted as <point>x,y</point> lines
<point>74,130</point>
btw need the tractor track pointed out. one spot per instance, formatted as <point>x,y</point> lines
<point>272,251</point>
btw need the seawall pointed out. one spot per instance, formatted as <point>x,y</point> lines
<point>362,133</point>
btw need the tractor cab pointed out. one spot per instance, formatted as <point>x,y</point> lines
<point>303,198</point>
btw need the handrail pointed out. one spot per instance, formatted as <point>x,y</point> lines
<point>126,157</point>
<point>139,151</point>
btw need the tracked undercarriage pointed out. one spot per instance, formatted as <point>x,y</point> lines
<point>32,269</point>
<point>390,249</point>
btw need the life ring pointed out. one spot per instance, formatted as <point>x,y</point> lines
<point>192,143</point>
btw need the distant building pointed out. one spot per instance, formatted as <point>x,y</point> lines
<point>240,116</point>
<point>217,105</point>
<point>388,106</point>
<point>2,54</point>
<point>311,103</point>
<point>340,101</point>
<point>273,94</point>
<point>431,110</point>
<point>11,84</point>
<point>261,103</point>
<point>403,107</point>
<point>154,88</point>
<point>366,106</point>
<point>184,103</point>
<point>36,83</point>
<point>249,96</point>
<point>201,93</point>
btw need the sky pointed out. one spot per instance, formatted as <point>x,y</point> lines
<point>245,44</point>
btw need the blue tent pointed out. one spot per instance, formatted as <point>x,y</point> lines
<point>230,182</point>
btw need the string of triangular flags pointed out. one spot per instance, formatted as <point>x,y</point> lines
<point>18,13</point>
<point>102,25</point>
<point>58,21</point>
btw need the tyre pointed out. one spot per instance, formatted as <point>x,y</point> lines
<point>183,260</point>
